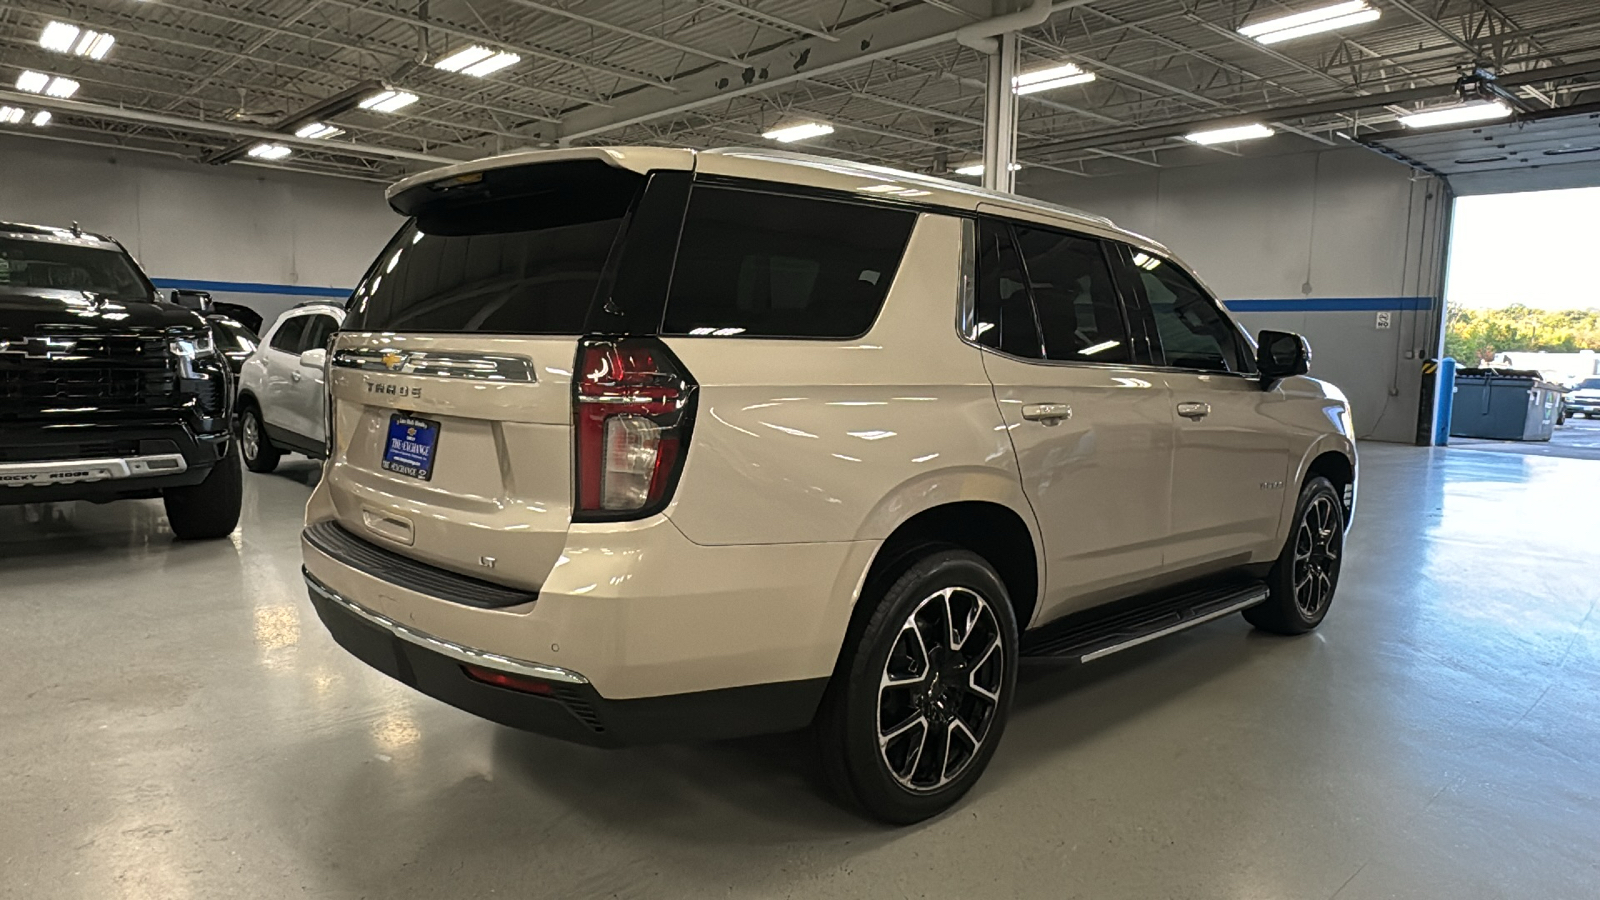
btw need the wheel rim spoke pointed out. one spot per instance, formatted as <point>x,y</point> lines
<point>940,689</point>
<point>1316,556</point>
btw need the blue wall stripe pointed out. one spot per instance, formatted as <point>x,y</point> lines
<point>249,287</point>
<point>1332,304</point>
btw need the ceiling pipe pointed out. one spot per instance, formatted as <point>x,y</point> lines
<point>982,36</point>
<point>178,123</point>
<point>320,111</point>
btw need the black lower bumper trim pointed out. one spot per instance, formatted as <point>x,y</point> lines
<point>338,543</point>
<point>575,712</point>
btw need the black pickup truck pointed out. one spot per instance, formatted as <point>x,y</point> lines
<point>106,391</point>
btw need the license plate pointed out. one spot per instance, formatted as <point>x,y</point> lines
<point>411,445</point>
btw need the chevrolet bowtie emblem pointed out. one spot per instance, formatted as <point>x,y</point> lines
<point>39,347</point>
<point>392,360</point>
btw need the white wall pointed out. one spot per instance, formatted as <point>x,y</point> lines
<point>1322,239</point>
<point>184,221</point>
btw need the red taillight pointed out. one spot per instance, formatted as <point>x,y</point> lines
<point>508,680</point>
<point>633,407</point>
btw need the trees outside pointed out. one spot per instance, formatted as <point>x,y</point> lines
<point>1477,335</point>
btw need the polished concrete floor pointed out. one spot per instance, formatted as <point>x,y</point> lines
<point>175,723</point>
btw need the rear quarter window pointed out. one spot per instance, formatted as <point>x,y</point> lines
<point>758,264</point>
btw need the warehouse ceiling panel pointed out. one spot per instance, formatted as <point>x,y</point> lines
<point>398,85</point>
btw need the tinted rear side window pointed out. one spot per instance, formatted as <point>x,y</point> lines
<point>769,265</point>
<point>524,264</point>
<point>318,331</point>
<point>1077,303</point>
<point>1005,313</point>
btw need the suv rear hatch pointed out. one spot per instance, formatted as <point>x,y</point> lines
<point>451,414</point>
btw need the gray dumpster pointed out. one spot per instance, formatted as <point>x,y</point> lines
<point>1504,404</point>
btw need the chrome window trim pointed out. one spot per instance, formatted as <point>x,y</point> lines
<point>457,652</point>
<point>437,363</point>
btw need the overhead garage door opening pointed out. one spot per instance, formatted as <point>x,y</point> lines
<point>1524,316</point>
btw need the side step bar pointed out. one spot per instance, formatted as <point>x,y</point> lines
<point>1089,637</point>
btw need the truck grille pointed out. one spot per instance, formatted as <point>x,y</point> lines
<point>39,373</point>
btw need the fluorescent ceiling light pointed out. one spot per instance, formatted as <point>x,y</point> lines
<point>64,38</point>
<point>1481,111</point>
<point>41,118</point>
<point>976,169</point>
<point>318,130</point>
<point>94,44</point>
<point>388,101</point>
<point>1328,18</point>
<point>477,61</point>
<point>791,133</point>
<point>462,58</point>
<point>1050,79</point>
<point>58,36</point>
<point>270,151</point>
<point>10,115</point>
<point>1145,261</point>
<point>1224,135</point>
<point>61,87</point>
<point>1101,347</point>
<point>32,82</point>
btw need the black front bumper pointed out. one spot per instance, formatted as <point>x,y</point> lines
<point>108,434</point>
<point>572,712</point>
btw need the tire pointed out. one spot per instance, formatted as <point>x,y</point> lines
<point>209,509</point>
<point>960,688</point>
<point>1304,578</point>
<point>259,454</point>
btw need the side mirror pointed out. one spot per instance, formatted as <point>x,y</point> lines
<point>199,301</point>
<point>315,358</point>
<point>1280,355</point>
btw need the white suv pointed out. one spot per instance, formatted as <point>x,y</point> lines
<point>637,444</point>
<point>283,392</point>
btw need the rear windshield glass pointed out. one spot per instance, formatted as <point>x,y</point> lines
<point>68,265</point>
<point>527,263</point>
<point>756,264</point>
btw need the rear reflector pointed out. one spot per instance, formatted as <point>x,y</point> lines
<point>508,680</point>
<point>634,407</point>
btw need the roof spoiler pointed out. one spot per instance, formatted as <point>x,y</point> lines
<point>412,195</point>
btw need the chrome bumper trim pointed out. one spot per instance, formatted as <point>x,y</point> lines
<point>441,646</point>
<point>72,471</point>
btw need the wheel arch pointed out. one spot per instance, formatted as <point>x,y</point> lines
<point>1334,458</point>
<point>992,530</point>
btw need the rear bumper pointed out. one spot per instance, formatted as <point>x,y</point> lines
<point>572,709</point>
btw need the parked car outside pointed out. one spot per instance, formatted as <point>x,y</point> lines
<point>107,392</point>
<point>1584,398</point>
<point>636,444</point>
<point>283,387</point>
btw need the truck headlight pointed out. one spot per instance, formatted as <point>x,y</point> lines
<point>188,349</point>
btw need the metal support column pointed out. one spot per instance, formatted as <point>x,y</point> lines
<point>1000,117</point>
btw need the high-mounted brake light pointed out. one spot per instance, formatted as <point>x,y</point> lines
<point>633,409</point>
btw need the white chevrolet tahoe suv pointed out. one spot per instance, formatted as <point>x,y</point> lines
<point>283,396</point>
<point>640,444</point>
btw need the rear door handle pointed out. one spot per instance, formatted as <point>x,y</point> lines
<point>1048,413</point>
<point>1195,411</point>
